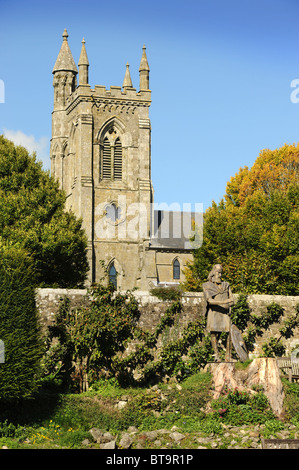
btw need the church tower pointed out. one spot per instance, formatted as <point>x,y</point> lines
<point>101,155</point>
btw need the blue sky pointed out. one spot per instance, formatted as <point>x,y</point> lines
<point>221,74</point>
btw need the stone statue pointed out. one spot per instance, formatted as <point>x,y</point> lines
<point>219,299</point>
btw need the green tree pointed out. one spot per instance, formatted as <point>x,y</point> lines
<point>19,329</point>
<point>32,217</point>
<point>254,230</point>
<point>90,338</point>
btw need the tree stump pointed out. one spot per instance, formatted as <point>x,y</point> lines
<point>263,372</point>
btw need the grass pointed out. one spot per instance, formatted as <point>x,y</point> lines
<point>64,420</point>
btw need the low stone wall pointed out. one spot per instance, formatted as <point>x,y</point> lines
<point>48,301</point>
<point>151,310</point>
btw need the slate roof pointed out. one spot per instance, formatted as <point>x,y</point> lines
<point>171,230</point>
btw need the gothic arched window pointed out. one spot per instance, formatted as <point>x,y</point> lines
<point>112,156</point>
<point>112,275</point>
<point>176,269</point>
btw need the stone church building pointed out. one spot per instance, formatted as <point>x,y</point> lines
<point>101,155</point>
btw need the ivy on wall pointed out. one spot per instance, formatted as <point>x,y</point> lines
<point>103,338</point>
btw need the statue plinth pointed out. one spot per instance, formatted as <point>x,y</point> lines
<point>262,371</point>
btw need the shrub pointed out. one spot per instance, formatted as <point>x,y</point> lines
<point>167,293</point>
<point>91,337</point>
<point>237,407</point>
<point>291,401</point>
<point>272,426</point>
<point>240,312</point>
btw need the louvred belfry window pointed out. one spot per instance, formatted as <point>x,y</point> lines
<point>112,157</point>
<point>117,160</point>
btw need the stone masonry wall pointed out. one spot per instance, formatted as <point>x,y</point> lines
<point>151,310</point>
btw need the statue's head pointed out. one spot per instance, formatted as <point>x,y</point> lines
<point>216,274</point>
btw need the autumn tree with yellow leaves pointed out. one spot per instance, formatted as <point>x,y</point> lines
<point>254,230</point>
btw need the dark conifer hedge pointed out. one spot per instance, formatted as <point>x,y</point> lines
<point>19,328</point>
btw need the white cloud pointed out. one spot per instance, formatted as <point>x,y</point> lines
<point>41,146</point>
